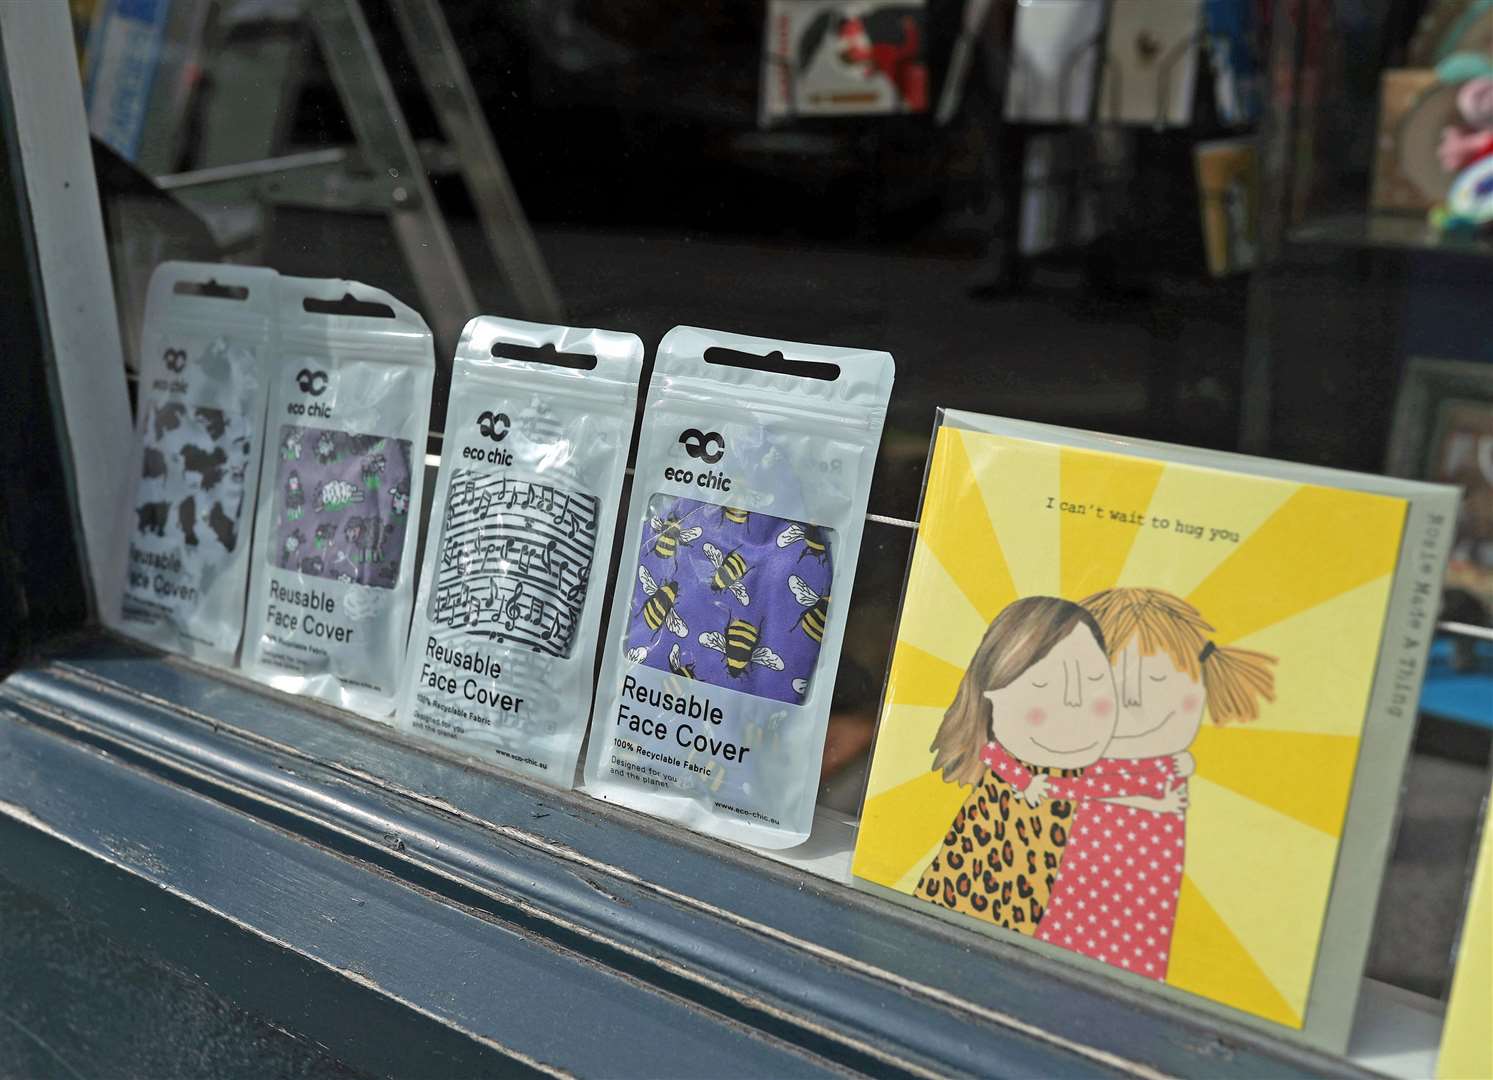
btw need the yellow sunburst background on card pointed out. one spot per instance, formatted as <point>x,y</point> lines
<point>1307,581</point>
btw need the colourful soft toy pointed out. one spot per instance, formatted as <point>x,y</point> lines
<point>1466,147</point>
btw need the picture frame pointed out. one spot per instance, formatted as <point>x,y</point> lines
<point>1443,431</point>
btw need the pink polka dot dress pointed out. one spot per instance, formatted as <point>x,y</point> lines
<point>1115,897</point>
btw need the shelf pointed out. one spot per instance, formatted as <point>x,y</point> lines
<point>1386,232</point>
<point>315,842</point>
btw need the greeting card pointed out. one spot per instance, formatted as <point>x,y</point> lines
<point>1056,50</point>
<point>1152,64</point>
<point>1465,1047</point>
<point>833,58</point>
<point>1147,708</point>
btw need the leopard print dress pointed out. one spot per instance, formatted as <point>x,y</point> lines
<point>1000,856</point>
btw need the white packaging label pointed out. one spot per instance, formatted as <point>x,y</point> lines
<point>206,350</point>
<point>337,526</point>
<point>502,650</point>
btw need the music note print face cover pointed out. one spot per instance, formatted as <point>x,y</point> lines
<point>502,649</point>
<point>515,561</point>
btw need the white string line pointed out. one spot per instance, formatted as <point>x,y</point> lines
<point>1472,630</point>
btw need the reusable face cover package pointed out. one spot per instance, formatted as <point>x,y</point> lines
<point>502,651</point>
<point>205,352</point>
<point>335,536</point>
<point>744,527</point>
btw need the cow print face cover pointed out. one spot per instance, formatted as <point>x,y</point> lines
<point>197,454</point>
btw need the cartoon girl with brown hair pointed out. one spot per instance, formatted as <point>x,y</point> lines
<point>1037,701</point>
<point>1115,898</point>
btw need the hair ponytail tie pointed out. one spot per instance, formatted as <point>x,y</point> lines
<point>1208,650</point>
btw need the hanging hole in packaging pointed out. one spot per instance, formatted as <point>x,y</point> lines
<point>774,363</point>
<point>211,289</point>
<point>348,305</point>
<point>544,354</point>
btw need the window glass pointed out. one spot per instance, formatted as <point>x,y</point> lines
<point>1208,224</point>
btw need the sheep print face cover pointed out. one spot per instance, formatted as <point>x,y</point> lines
<point>502,651</point>
<point>333,566</point>
<point>342,503</point>
<point>205,353</point>
<point>749,498</point>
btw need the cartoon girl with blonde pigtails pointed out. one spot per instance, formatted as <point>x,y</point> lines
<point>1115,898</point>
<point>1037,703</point>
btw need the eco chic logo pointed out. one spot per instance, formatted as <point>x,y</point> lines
<point>311,382</point>
<point>708,447</point>
<point>175,360</point>
<point>493,425</point>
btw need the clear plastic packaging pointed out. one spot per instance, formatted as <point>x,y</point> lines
<point>334,550</point>
<point>502,651</point>
<point>743,533</point>
<point>206,347</point>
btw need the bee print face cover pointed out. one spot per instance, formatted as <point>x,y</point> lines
<point>749,498</point>
<point>731,597</point>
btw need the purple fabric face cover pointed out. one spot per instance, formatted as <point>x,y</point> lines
<point>342,505</point>
<point>732,598</point>
<point>752,471</point>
